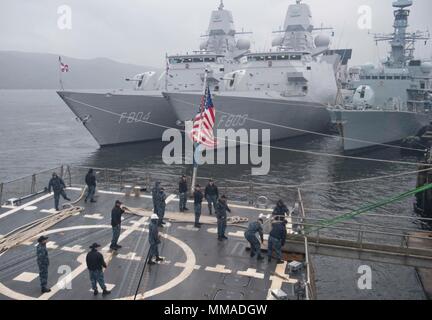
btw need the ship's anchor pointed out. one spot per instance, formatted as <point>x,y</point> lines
<point>83,120</point>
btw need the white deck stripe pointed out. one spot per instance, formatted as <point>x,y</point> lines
<point>220,268</point>
<point>74,189</point>
<point>278,281</point>
<point>183,265</point>
<point>8,213</point>
<point>131,256</point>
<point>109,287</point>
<point>251,273</point>
<point>26,277</point>
<point>189,227</point>
<point>170,198</point>
<point>95,216</point>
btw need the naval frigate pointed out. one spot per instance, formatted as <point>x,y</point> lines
<point>286,89</point>
<point>391,101</point>
<point>142,114</point>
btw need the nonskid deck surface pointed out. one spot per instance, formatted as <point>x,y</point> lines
<point>196,265</point>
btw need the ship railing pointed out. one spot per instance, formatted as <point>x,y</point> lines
<point>361,236</point>
<point>118,179</point>
<point>15,191</point>
<point>310,277</point>
<point>249,190</point>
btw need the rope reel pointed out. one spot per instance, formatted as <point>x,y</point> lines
<point>262,202</point>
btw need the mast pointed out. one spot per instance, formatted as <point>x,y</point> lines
<point>402,42</point>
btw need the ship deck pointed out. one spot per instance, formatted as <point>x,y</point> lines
<point>196,265</point>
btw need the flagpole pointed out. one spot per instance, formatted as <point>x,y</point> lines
<point>166,72</point>
<point>60,74</point>
<point>197,145</point>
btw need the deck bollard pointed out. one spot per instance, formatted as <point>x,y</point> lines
<point>137,191</point>
<point>128,190</point>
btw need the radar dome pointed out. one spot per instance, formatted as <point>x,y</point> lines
<point>364,96</point>
<point>322,40</point>
<point>402,3</point>
<point>426,67</point>
<point>277,41</point>
<point>203,45</point>
<point>243,44</point>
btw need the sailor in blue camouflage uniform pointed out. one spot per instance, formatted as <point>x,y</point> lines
<point>211,193</point>
<point>277,240</point>
<point>155,197</point>
<point>221,215</point>
<point>162,206</point>
<point>250,235</point>
<point>43,263</point>
<point>154,240</point>
<point>280,211</point>
<point>57,185</point>
<point>183,193</point>
<point>95,264</point>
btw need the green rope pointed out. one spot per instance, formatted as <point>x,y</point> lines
<point>382,203</point>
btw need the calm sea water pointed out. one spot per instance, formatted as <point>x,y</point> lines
<point>38,131</point>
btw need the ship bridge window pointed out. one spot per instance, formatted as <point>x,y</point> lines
<point>397,77</point>
<point>368,77</point>
<point>175,61</point>
<point>295,57</point>
<point>187,60</point>
<point>382,77</point>
<point>271,58</point>
<point>283,57</point>
<point>198,60</point>
<point>209,59</point>
<point>218,32</point>
<point>404,77</point>
<point>389,78</point>
<point>374,78</point>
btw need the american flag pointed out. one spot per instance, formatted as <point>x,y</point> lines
<point>63,67</point>
<point>203,123</point>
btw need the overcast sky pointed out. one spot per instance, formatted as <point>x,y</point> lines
<point>142,31</point>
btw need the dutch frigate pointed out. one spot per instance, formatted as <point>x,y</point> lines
<point>391,101</point>
<point>286,89</point>
<point>142,114</point>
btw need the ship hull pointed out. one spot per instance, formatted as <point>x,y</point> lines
<point>236,112</point>
<point>369,128</point>
<point>119,118</point>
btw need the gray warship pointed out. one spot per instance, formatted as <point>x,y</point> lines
<point>286,89</point>
<point>391,101</point>
<point>142,114</point>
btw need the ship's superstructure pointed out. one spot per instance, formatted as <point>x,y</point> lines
<point>124,116</point>
<point>287,87</point>
<point>390,101</point>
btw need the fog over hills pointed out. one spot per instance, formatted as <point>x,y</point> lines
<point>22,70</point>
